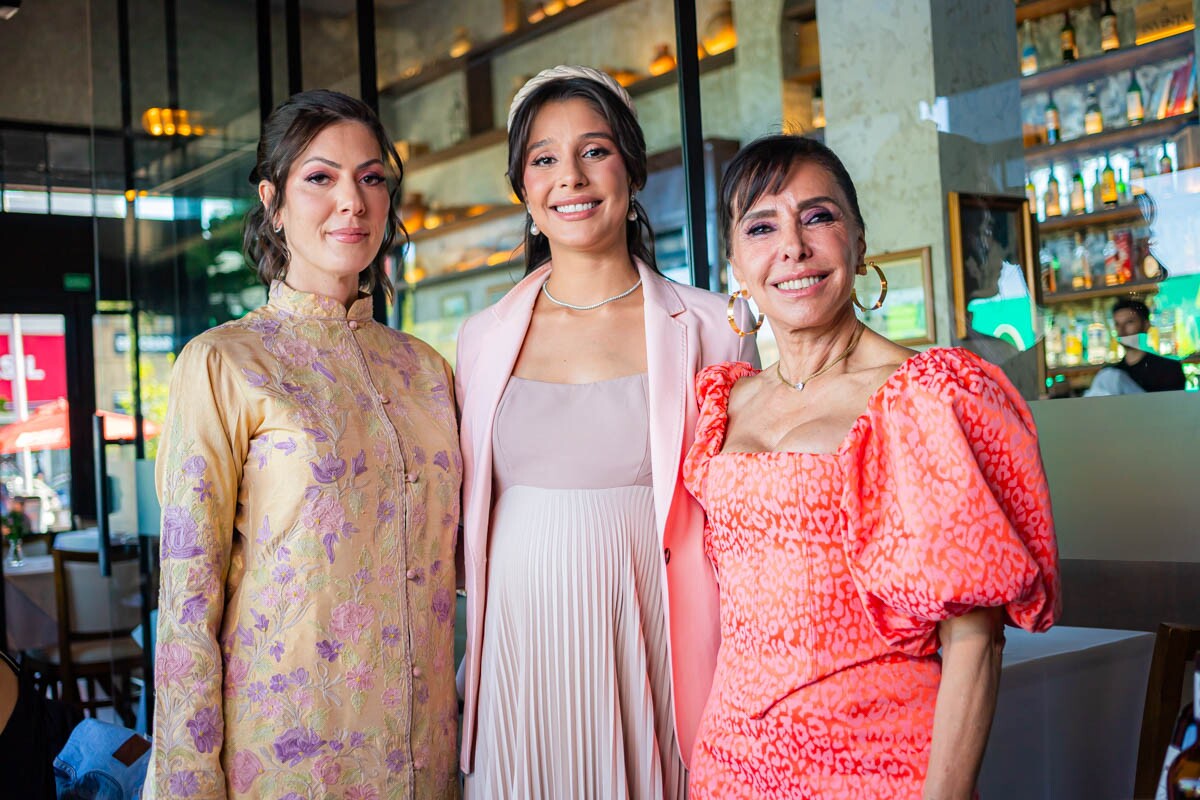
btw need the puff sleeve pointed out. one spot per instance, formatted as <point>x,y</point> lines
<point>946,504</point>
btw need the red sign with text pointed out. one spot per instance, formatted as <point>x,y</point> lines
<point>45,368</point>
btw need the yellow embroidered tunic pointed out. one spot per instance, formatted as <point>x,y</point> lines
<point>309,477</point>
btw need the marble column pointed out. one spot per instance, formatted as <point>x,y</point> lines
<point>922,100</point>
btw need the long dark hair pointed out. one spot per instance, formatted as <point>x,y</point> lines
<point>287,132</point>
<point>762,166</point>
<point>631,144</point>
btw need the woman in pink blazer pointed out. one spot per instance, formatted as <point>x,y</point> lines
<point>589,597</point>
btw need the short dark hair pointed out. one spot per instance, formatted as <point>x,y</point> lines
<point>762,166</point>
<point>1136,306</point>
<point>631,144</point>
<point>289,129</point>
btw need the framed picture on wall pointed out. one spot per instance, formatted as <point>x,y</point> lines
<point>994,268</point>
<point>906,316</point>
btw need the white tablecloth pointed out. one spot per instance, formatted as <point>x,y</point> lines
<point>1068,716</point>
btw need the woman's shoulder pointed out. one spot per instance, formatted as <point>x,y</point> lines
<point>715,382</point>
<point>945,371</point>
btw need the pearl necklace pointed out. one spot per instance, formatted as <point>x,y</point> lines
<point>574,307</point>
<point>799,385</point>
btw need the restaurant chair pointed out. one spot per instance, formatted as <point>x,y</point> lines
<point>95,618</point>
<point>1174,647</point>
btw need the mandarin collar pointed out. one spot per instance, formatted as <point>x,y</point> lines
<point>306,304</point>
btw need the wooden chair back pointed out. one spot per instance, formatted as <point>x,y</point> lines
<point>91,607</point>
<point>1174,646</point>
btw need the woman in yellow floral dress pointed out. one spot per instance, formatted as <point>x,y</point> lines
<point>309,478</point>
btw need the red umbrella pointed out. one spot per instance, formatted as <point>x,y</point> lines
<point>48,428</point>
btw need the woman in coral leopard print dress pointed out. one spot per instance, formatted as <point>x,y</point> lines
<point>866,506</point>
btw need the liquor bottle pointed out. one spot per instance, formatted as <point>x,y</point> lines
<point>1073,345</point>
<point>1166,332</point>
<point>1097,336</point>
<point>1093,120</point>
<point>1111,266</point>
<point>1183,776</point>
<point>1078,197</point>
<point>1053,123</point>
<point>1137,174</point>
<point>1066,38</point>
<point>1031,193</point>
<point>1097,191</point>
<point>1108,183</point>
<point>1109,40</point>
<point>1165,165</point>
<point>1053,204</point>
<point>1054,343</point>
<point>1029,61</point>
<point>1081,266</point>
<point>1135,111</point>
<point>1122,188</point>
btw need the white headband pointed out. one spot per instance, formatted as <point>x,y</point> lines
<point>562,73</point>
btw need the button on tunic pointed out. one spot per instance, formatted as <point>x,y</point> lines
<point>309,477</point>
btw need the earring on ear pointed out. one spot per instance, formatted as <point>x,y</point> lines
<point>534,230</point>
<point>632,215</point>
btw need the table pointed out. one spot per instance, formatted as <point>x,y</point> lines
<point>30,604</point>
<point>1068,715</point>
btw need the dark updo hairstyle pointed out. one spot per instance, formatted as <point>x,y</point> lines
<point>763,166</point>
<point>287,132</point>
<point>631,144</point>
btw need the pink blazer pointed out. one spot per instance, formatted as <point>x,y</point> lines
<point>686,330</point>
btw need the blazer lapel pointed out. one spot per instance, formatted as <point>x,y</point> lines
<point>666,361</point>
<point>486,387</point>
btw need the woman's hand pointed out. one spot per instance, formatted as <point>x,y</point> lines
<point>972,647</point>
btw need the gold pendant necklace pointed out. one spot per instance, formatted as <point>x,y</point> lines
<point>799,385</point>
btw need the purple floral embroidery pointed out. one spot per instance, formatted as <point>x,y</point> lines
<point>297,744</point>
<point>287,447</point>
<point>205,729</point>
<point>284,573</point>
<point>391,635</point>
<point>244,635</point>
<point>329,468</point>
<point>193,609</point>
<point>267,326</point>
<point>363,576</point>
<point>276,650</point>
<point>329,650</point>
<point>386,511</point>
<point>179,534</point>
<point>260,451</point>
<point>336,746</point>
<point>359,464</point>
<point>253,378</point>
<point>319,367</point>
<point>260,622</point>
<point>183,784</point>
<point>442,459</point>
<point>279,683</point>
<point>292,388</point>
<point>195,465</point>
<point>204,489</point>
<point>418,456</point>
<point>317,435</point>
<point>257,691</point>
<point>443,604</point>
<point>396,761</point>
<point>357,739</point>
<point>299,676</point>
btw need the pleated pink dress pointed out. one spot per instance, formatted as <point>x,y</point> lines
<point>575,693</point>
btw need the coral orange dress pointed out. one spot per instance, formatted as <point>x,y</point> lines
<point>835,569</point>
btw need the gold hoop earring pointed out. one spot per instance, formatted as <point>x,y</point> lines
<point>882,288</point>
<point>733,296</point>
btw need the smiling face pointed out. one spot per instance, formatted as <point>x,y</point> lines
<point>796,250</point>
<point>576,185</point>
<point>334,210</point>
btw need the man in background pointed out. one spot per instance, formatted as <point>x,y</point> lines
<point>1148,370</point>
